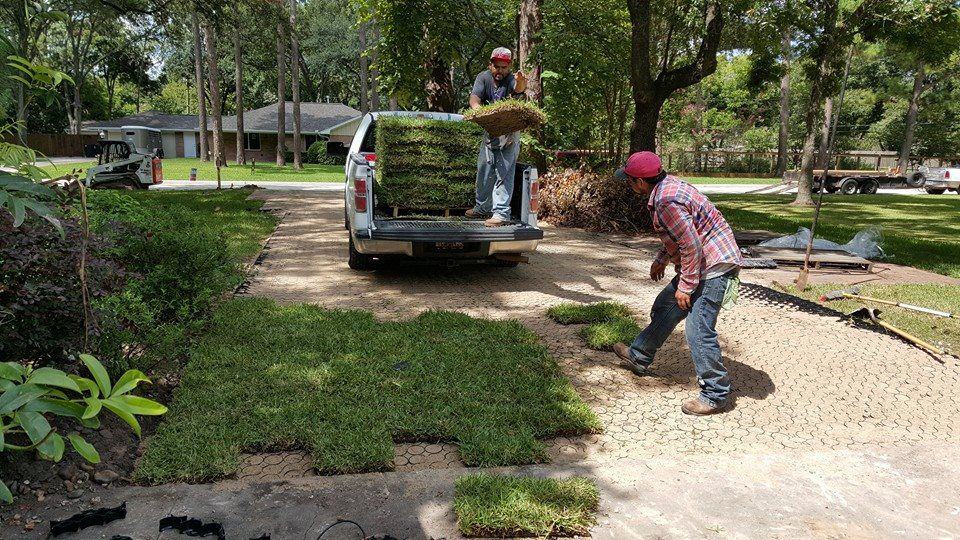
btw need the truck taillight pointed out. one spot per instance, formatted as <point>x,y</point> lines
<point>946,175</point>
<point>360,194</point>
<point>157,170</point>
<point>369,156</point>
<point>534,196</point>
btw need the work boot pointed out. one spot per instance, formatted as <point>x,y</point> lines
<point>698,407</point>
<point>472,213</point>
<point>623,352</point>
<point>495,221</point>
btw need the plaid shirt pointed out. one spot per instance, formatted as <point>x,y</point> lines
<point>693,231</point>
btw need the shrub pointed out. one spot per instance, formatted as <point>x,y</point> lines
<point>595,201</point>
<point>31,395</point>
<point>41,306</point>
<point>317,153</point>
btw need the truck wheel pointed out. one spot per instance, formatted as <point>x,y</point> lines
<point>357,260</point>
<point>916,180</point>
<point>849,186</point>
<point>870,187</point>
<point>935,191</point>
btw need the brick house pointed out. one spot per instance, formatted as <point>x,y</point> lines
<point>179,133</point>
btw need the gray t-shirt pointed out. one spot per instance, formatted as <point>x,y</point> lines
<point>485,88</point>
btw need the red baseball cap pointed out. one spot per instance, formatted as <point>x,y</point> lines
<point>641,165</point>
<point>501,53</point>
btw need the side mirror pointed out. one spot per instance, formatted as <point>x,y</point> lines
<point>92,150</point>
<point>335,148</point>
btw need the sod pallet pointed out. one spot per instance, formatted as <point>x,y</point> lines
<point>506,116</point>
<point>425,164</point>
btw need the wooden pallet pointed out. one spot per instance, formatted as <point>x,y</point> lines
<point>819,258</point>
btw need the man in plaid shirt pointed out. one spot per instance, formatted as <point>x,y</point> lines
<point>700,243</point>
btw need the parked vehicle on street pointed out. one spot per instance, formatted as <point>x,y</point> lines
<point>378,235</point>
<point>939,179</point>
<point>121,165</point>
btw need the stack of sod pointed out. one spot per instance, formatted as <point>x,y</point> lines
<point>607,323</point>
<point>506,116</point>
<point>425,164</point>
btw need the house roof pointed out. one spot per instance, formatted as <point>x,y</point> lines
<point>314,118</point>
<point>150,119</point>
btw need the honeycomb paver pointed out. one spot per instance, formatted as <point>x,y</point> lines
<point>802,379</point>
<point>274,466</point>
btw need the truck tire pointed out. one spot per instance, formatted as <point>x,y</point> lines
<point>357,260</point>
<point>869,187</point>
<point>916,180</point>
<point>849,186</point>
<point>935,191</point>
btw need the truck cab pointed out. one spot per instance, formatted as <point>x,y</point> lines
<point>378,236</point>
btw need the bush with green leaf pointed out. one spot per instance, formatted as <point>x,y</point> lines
<point>32,396</point>
<point>317,153</point>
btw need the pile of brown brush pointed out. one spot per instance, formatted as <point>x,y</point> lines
<point>592,200</point>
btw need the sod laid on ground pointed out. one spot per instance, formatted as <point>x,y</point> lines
<point>344,387</point>
<point>426,164</point>
<point>608,322</point>
<point>511,506</point>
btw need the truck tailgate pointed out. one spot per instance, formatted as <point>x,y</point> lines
<point>451,231</point>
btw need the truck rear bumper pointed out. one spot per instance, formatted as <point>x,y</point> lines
<point>430,250</point>
<point>451,231</point>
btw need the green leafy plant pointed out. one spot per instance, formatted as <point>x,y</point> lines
<point>30,395</point>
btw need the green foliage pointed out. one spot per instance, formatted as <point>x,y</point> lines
<point>317,153</point>
<point>511,506</point>
<point>343,385</point>
<point>426,164</point>
<point>31,396</point>
<point>608,322</point>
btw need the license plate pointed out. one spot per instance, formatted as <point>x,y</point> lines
<point>449,246</point>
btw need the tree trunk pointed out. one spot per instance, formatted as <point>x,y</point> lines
<point>783,137</point>
<point>394,104</point>
<point>21,113</point>
<point>911,125</point>
<point>825,133</point>
<point>364,85</point>
<point>374,71</point>
<point>201,93</point>
<point>213,73</point>
<point>77,109</point>
<point>531,23</point>
<point>295,85</point>
<point>643,133</point>
<point>439,87</point>
<point>238,90</point>
<point>282,96</point>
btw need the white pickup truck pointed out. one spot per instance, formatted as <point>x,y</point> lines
<point>937,180</point>
<point>377,236</point>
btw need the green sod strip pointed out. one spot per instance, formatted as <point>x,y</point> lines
<point>344,386</point>
<point>426,164</point>
<point>511,506</point>
<point>602,336</point>
<point>570,313</point>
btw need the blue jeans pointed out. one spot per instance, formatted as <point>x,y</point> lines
<point>495,169</point>
<point>700,331</point>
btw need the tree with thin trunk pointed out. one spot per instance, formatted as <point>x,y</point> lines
<point>531,25</point>
<point>364,71</point>
<point>825,133</point>
<point>238,87</point>
<point>213,73</point>
<point>783,137</point>
<point>295,85</point>
<point>658,68</point>
<point>374,69</point>
<point>281,96</point>
<point>910,126</point>
<point>201,90</point>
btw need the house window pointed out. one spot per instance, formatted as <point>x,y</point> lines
<point>251,141</point>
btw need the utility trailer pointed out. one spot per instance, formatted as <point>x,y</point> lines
<point>851,182</point>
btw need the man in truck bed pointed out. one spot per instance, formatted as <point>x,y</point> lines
<point>498,156</point>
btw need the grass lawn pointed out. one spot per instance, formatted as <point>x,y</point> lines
<point>936,330</point>
<point>179,169</point>
<point>714,180</point>
<point>345,387</point>
<point>238,221</point>
<point>510,506</point>
<point>607,323</point>
<point>918,230</point>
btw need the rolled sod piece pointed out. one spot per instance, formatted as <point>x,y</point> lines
<point>426,164</point>
<point>506,116</point>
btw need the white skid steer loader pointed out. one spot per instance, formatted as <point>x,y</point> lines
<point>120,165</point>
